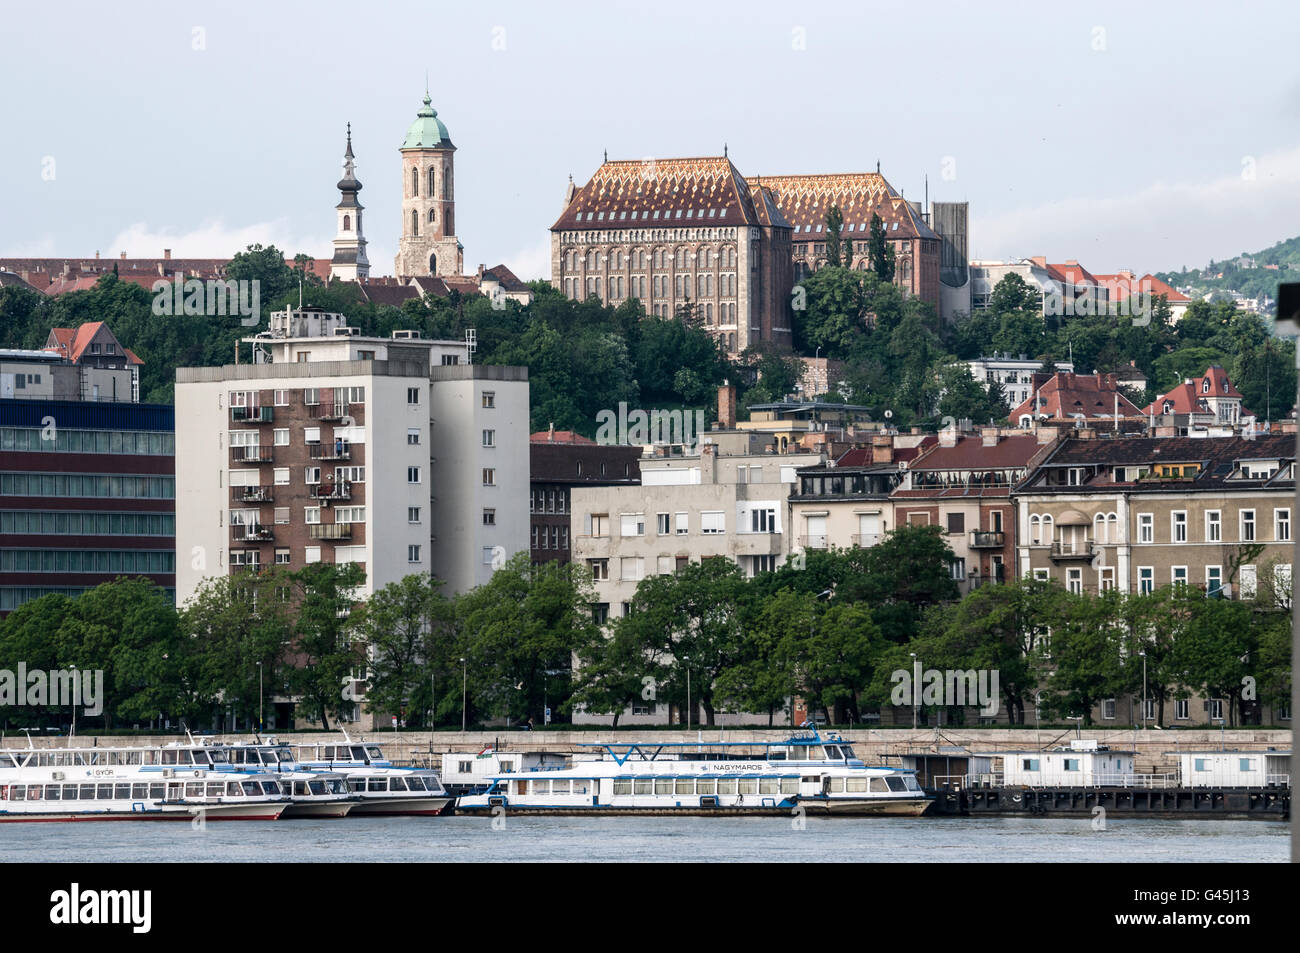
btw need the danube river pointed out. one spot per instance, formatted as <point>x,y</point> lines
<point>581,839</point>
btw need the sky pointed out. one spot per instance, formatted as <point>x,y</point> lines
<point>1146,136</point>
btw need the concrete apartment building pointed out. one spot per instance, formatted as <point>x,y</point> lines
<point>389,452</point>
<point>559,461</point>
<point>87,494</point>
<point>1015,374</point>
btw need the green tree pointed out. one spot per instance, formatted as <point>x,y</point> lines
<point>879,252</point>
<point>409,629</point>
<point>835,257</point>
<point>327,655</point>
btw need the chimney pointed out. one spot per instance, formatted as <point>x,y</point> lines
<point>550,433</point>
<point>480,271</point>
<point>989,437</point>
<point>167,254</point>
<point>727,406</point>
<point>124,256</point>
<point>948,437</point>
<point>1045,435</point>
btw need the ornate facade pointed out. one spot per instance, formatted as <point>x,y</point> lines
<point>429,246</point>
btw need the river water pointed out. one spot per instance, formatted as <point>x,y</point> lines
<point>652,839</point>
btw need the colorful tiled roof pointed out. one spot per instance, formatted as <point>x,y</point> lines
<point>805,200</point>
<point>669,193</point>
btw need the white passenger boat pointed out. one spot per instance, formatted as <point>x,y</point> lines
<point>819,775</point>
<point>128,783</point>
<point>384,789</point>
<point>313,793</point>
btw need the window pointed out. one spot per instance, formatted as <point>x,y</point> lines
<point>350,514</point>
<point>1181,709</point>
<point>958,569</point>
<point>713,522</point>
<point>1247,526</point>
<point>1108,709</point>
<point>412,395</point>
<point>489,476</point>
<point>1042,575</point>
<point>599,569</point>
<point>1146,580</point>
<point>312,514</point>
<point>956,522</point>
<point>632,524</point>
<point>413,437</point>
<point>1178,526</point>
<point>682,523</point>
<point>1282,525</point>
<point>282,557</point>
<point>282,514</point>
<point>1213,526</point>
<point>489,517</point>
<point>1028,764</point>
<point>412,554</point>
<point>1216,709</point>
<point>598,524</point>
<point>311,435</point>
<point>312,475</point>
<point>1214,581</point>
<point>1146,528</point>
<point>412,514</point>
<point>631,568</point>
<point>488,553</point>
<point>282,438</point>
<point>1074,581</point>
<point>1248,583</point>
<point>489,438</point>
<point>489,399</point>
<point>1178,575</point>
<point>663,524</point>
<point>281,476</point>
<point>311,554</point>
<point>282,398</point>
<point>1070,764</point>
<point>311,396</point>
<point>412,474</point>
<point>762,521</point>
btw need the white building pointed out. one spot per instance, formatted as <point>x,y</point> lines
<point>1233,769</point>
<point>283,461</point>
<point>1082,764</point>
<point>1016,375</point>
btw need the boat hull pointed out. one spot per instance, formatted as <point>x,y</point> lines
<point>216,812</point>
<point>401,807</point>
<point>867,807</point>
<point>321,809</point>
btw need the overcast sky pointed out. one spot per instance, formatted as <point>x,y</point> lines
<point>1127,135</point>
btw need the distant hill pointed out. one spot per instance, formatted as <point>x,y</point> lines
<point>1247,273</point>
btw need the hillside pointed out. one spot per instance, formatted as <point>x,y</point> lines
<point>1248,274</point>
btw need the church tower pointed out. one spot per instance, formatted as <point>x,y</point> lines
<point>349,262</point>
<point>428,245</point>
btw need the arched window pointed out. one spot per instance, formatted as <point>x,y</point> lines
<point>431,191</point>
<point>432,215</point>
<point>415,224</point>
<point>347,223</point>
<point>433,264</point>
<point>415,182</point>
<point>1099,528</point>
<point>708,314</point>
<point>1035,530</point>
<point>1048,529</point>
<point>1112,527</point>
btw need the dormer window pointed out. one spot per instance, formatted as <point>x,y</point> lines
<point>1205,386</point>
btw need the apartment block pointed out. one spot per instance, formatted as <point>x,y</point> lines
<point>559,461</point>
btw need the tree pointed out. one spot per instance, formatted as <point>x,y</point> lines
<point>1012,294</point>
<point>408,627</point>
<point>879,252</point>
<point>1085,654</point>
<point>835,258</point>
<point>905,573</point>
<point>326,654</point>
<point>1213,652</point>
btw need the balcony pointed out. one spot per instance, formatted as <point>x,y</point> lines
<point>981,539</point>
<point>252,415</point>
<point>335,410</point>
<point>867,540</point>
<point>338,450</point>
<point>331,491</point>
<point>251,494</point>
<point>251,533</point>
<point>329,530</point>
<point>812,542</point>
<point>251,455</point>
<point>1062,552</point>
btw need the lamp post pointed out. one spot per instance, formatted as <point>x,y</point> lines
<point>916,681</point>
<point>1143,653</point>
<point>1038,741</point>
<point>464,692</point>
<point>261,723</point>
<point>74,704</point>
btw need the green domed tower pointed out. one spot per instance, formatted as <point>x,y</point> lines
<point>429,245</point>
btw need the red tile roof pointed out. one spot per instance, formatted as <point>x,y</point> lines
<point>1124,283</point>
<point>1092,395</point>
<point>804,201</point>
<point>970,453</point>
<point>1189,397</point>
<point>561,436</point>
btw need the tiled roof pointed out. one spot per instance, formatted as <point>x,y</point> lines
<point>72,342</point>
<point>1071,272</point>
<point>1217,455</point>
<point>320,267</point>
<point>676,193</point>
<point>9,280</point>
<point>505,277</point>
<point>561,436</point>
<point>1190,396</point>
<point>804,201</point>
<point>194,267</point>
<point>970,454</point>
<point>1092,395</point>
<point>391,292</point>
<point>1124,283</point>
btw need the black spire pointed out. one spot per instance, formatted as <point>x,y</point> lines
<point>349,183</point>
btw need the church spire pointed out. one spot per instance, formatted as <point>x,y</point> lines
<point>349,262</point>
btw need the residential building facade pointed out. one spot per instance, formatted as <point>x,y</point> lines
<point>559,461</point>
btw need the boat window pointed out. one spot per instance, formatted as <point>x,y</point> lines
<point>832,753</point>
<point>193,789</point>
<point>747,786</point>
<point>215,788</point>
<point>539,787</point>
<point>139,792</point>
<point>300,788</point>
<point>157,791</point>
<point>776,754</point>
<point>217,756</point>
<point>284,754</point>
<point>272,787</point>
<point>233,789</point>
<point>374,753</point>
<point>684,786</point>
<point>727,786</point>
<point>847,751</point>
<point>815,753</point>
<point>251,788</point>
<point>835,785</point>
<point>911,783</point>
<point>318,787</point>
<point>622,786</point>
<point>703,786</point>
<point>415,782</point>
<point>799,753</point>
<point>122,792</point>
<point>357,784</point>
<point>397,784</point>
<point>789,785</point>
<point>359,753</point>
<point>19,792</point>
<point>87,792</point>
<point>767,785</point>
<point>856,785</point>
<point>34,792</point>
<point>582,785</point>
<point>377,784</point>
<point>642,786</point>
<point>878,786</point>
<point>663,785</point>
<point>201,758</point>
<point>896,784</point>
<point>560,787</point>
<point>53,792</point>
<point>168,757</point>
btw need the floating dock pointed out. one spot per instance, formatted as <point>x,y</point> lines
<point>1217,803</point>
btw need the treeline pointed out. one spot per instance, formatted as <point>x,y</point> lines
<point>831,628</point>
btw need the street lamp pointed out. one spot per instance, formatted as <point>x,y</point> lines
<point>916,680</point>
<point>261,723</point>
<point>1143,653</point>
<point>1038,741</point>
<point>464,692</point>
<point>74,704</point>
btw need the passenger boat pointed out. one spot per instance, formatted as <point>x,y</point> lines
<point>384,789</point>
<point>819,775</point>
<point>129,783</point>
<point>314,793</point>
